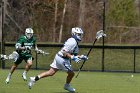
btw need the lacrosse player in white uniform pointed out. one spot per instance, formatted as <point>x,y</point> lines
<point>62,60</point>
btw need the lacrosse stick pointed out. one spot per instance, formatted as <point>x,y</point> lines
<point>99,35</point>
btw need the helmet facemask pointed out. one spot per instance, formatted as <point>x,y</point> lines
<point>29,33</point>
<point>78,36</point>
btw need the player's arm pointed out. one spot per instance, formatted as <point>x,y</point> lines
<point>74,56</point>
<point>19,47</point>
<point>36,48</point>
<point>39,51</point>
<point>66,51</point>
<point>18,44</point>
<point>68,55</point>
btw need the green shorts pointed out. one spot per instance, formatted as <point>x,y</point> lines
<point>23,57</point>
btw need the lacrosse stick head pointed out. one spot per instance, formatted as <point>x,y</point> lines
<point>100,34</point>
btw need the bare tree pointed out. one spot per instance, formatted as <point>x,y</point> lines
<point>81,12</point>
<point>1,5</point>
<point>55,20</point>
<point>63,16</point>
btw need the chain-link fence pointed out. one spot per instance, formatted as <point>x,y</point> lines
<point>52,22</point>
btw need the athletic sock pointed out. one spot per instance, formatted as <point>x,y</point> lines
<point>25,72</point>
<point>37,78</point>
<point>9,74</point>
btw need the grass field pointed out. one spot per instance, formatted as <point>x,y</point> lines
<point>87,82</point>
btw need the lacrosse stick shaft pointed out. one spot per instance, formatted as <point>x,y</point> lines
<point>87,56</point>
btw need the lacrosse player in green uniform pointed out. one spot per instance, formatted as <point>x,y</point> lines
<point>23,52</point>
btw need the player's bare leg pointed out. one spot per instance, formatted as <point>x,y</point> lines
<point>50,72</point>
<point>27,67</point>
<point>68,80</point>
<point>10,73</point>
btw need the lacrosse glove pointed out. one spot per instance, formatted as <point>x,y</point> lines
<point>83,57</point>
<point>75,59</point>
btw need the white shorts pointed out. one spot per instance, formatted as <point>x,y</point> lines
<point>61,63</point>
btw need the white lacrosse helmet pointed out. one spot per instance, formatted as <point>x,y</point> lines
<point>77,33</point>
<point>29,32</point>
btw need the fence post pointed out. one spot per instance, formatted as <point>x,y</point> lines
<point>2,35</point>
<point>103,51</point>
<point>134,61</point>
<point>36,58</point>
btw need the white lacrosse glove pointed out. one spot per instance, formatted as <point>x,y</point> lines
<point>83,57</point>
<point>75,58</point>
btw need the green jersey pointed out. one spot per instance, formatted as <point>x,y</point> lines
<point>24,42</point>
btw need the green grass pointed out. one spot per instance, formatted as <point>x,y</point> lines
<point>87,82</point>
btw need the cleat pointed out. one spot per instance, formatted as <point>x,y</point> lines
<point>69,88</point>
<point>31,82</point>
<point>6,82</point>
<point>24,77</point>
<point>7,79</point>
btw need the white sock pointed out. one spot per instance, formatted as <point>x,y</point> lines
<point>9,74</point>
<point>25,72</point>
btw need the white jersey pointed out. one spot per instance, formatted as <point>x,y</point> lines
<point>70,46</point>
